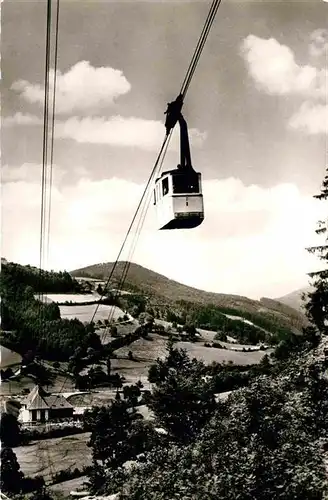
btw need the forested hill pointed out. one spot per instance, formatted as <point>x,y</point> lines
<point>41,281</point>
<point>31,325</point>
<point>162,290</point>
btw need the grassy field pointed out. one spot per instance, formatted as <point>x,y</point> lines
<point>52,455</point>
<point>49,456</point>
<point>85,312</point>
<point>145,352</point>
<point>62,490</point>
<point>71,297</point>
<point>208,354</point>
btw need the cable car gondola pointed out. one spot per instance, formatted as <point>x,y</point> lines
<point>178,193</point>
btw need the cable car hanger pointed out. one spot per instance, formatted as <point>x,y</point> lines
<point>178,192</point>
<point>174,115</point>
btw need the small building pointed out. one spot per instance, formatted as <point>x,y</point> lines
<point>40,407</point>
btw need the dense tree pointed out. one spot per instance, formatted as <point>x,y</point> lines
<point>190,329</point>
<point>95,377</point>
<point>110,427</point>
<point>221,335</point>
<point>131,394</point>
<point>93,340</point>
<point>9,430</point>
<point>260,444</point>
<point>35,326</point>
<point>11,475</point>
<point>317,305</point>
<point>36,280</point>
<point>181,399</point>
<point>145,318</point>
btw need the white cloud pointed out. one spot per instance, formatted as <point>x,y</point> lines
<point>115,131</point>
<point>312,118</point>
<point>81,88</point>
<point>275,71</point>
<point>119,131</point>
<point>21,119</point>
<point>251,242</point>
<point>29,172</point>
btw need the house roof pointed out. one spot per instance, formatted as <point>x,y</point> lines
<point>9,358</point>
<point>39,399</point>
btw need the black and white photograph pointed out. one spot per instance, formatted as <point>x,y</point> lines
<point>164,250</point>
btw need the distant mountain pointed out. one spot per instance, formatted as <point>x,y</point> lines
<point>294,299</point>
<point>167,291</point>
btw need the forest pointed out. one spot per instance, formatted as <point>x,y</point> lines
<point>31,324</point>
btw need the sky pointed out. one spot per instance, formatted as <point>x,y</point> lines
<point>258,124</point>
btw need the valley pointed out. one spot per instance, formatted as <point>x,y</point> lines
<point>170,311</point>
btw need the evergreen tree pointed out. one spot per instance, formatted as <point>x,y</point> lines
<point>11,475</point>
<point>317,306</point>
<point>9,430</point>
<point>181,399</point>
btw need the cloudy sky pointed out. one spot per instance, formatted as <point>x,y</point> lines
<point>257,113</point>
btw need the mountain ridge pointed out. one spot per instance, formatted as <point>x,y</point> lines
<point>294,299</point>
<point>169,291</point>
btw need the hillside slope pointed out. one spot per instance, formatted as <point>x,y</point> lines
<point>294,299</point>
<point>167,291</point>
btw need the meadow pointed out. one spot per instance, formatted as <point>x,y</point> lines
<point>85,312</point>
<point>48,456</point>
<point>72,297</point>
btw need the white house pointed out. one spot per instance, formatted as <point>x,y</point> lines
<point>39,406</point>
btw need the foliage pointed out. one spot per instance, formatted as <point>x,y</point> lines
<point>131,394</point>
<point>38,280</point>
<point>9,430</point>
<point>182,400</point>
<point>36,326</point>
<point>146,319</point>
<point>117,435</point>
<point>41,434</point>
<point>261,443</point>
<point>316,307</point>
<point>67,474</point>
<point>11,476</point>
<point>134,303</point>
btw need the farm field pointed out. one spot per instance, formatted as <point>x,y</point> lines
<point>71,297</point>
<point>85,312</point>
<point>48,456</point>
<point>145,352</point>
<point>210,354</point>
<point>62,490</point>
